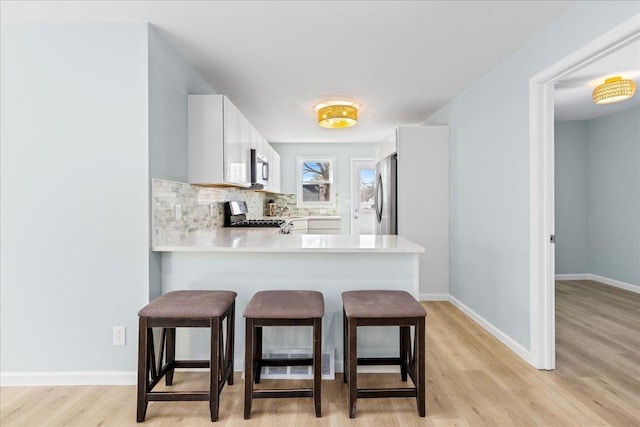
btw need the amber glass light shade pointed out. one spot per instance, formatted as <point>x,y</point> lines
<point>615,89</point>
<point>337,116</point>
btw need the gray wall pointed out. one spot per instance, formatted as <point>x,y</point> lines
<point>89,113</point>
<point>171,79</point>
<point>489,125</point>
<point>572,227</point>
<point>614,196</point>
<point>343,154</point>
<point>74,194</point>
<point>597,187</point>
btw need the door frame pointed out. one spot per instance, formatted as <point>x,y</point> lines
<point>353,160</point>
<point>541,184</point>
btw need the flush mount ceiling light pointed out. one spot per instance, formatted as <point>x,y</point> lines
<point>337,114</point>
<point>614,89</point>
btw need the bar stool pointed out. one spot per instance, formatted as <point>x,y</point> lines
<point>199,309</point>
<point>281,308</point>
<point>384,308</point>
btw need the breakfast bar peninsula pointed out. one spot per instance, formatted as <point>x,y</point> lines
<point>250,260</point>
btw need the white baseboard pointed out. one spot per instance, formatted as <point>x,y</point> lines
<point>615,283</point>
<point>489,327</point>
<point>605,280</point>
<point>434,297</point>
<point>572,277</point>
<point>31,379</point>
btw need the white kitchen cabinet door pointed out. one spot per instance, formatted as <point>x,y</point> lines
<point>218,142</point>
<point>423,200</point>
<point>274,170</point>
<point>276,173</point>
<point>237,145</point>
<point>299,226</point>
<point>205,139</point>
<point>324,226</point>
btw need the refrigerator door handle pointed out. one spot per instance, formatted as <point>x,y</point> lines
<point>379,198</point>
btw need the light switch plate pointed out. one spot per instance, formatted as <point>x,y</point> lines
<point>177,210</point>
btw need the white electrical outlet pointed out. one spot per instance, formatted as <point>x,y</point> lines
<point>119,335</point>
<point>211,210</point>
<point>177,210</point>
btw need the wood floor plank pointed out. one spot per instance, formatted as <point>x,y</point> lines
<point>472,380</point>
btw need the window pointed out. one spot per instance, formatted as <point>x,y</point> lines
<point>367,182</point>
<point>315,182</point>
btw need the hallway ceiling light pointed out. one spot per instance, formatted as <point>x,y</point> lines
<point>614,89</point>
<point>337,114</point>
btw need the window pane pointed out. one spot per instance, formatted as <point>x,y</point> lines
<point>316,192</point>
<point>315,182</point>
<point>367,180</point>
<point>316,171</point>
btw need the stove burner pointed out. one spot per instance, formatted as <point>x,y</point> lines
<point>258,223</point>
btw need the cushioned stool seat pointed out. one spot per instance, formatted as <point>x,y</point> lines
<point>281,308</point>
<point>385,308</point>
<point>204,309</point>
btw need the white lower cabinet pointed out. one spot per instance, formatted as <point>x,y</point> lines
<point>324,226</point>
<point>309,225</point>
<point>299,226</point>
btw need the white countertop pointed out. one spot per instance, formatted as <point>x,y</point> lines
<point>269,240</point>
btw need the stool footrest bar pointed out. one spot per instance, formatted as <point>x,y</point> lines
<point>372,361</point>
<point>386,392</point>
<point>177,395</point>
<point>270,394</point>
<point>191,364</point>
<point>286,362</point>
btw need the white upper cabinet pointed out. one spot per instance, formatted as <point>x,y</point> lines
<point>274,169</point>
<point>275,178</point>
<point>220,143</point>
<point>237,133</point>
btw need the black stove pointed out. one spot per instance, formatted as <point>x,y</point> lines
<point>258,223</point>
<point>235,215</point>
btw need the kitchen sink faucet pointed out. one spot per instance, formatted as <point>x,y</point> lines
<point>282,209</point>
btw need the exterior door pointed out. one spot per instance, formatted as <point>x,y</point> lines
<point>363,175</point>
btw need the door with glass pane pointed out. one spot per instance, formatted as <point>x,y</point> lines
<point>363,212</point>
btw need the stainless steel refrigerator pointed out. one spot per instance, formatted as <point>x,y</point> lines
<point>386,200</point>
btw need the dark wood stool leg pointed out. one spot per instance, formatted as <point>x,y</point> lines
<point>214,369</point>
<point>257,357</point>
<point>317,365</point>
<point>231,322</point>
<point>420,366</point>
<point>143,369</point>
<point>345,367</point>
<point>353,365</point>
<point>221,355</point>
<point>171,354</point>
<point>248,368</point>
<point>405,350</point>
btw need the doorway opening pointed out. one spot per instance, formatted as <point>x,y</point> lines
<point>363,174</point>
<point>541,184</point>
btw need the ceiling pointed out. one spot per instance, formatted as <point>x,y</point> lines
<point>572,95</point>
<point>400,60</point>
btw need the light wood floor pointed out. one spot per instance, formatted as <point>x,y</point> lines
<point>472,380</point>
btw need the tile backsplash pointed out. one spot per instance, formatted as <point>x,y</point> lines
<point>203,208</point>
<point>289,201</point>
